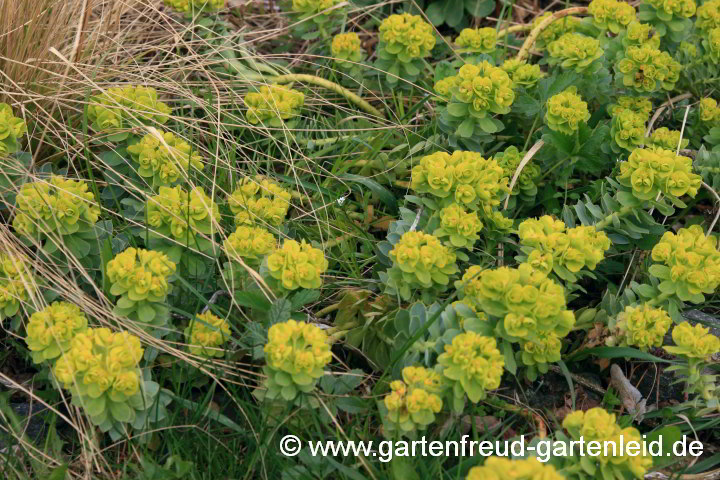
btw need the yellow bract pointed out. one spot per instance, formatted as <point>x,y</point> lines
<point>501,468</point>
<point>613,15</point>
<point>694,341</point>
<point>123,107</point>
<point>50,331</point>
<point>15,280</point>
<point>413,402</point>
<point>249,243</point>
<point>259,200</point>
<point>708,15</point>
<point>574,50</point>
<point>11,129</point>
<point>407,36</point>
<point>273,104</point>
<point>164,158</point>
<point>141,274</point>
<point>641,327</point>
<point>477,40</point>
<point>189,6</point>
<point>297,265</point>
<point>649,171</point>
<point>206,334</point>
<point>566,111</point>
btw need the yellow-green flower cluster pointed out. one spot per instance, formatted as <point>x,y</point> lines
<point>510,160</point>
<point>272,105</point>
<point>420,261</point>
<point>182,215</point>
<point>574,50</point>
<point>598,425</point>
<point>464,177</point>
<point>566,111</point>
<point>140,275</point>
<point>11,129</point>
<point>259,200</point>
<point>647,69</point>
<point>572,248</point>
<point>691,263</point>
<point>206,334</point>
<point>639,105</point>
<point>555,30</point>
<point>628,129</point>
<point>249,243</point>
<point>312,7</point>
<point>482,88</point>
<point>50,331</point>
<point>649,171</point>
<point>15,280</point>
<point>477,40</point>
<point>521,73</point>
<point>642,327</point>
<point>708,16</point>
<point>346,49</point>
<point>473,365</point>
<point>461,227</point>
<point>406,36</point>
<point>501,468</point>
<point>296,354</point>
<point>709,112</point>
<point>712,44</point>
<point>413,401</point>
<point>666,9</point>
<point>297,265</point>
<point>123,107</point>
<point>531,307</point>
<point>61,206</point>
<point>668,139</point>
<point>638,34</point>
<point>164,158</point>
<point>190,6</point>
<point>611,15</point>
<point>694,341</point>
<point>688,49</point>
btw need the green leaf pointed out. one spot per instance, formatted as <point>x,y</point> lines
<point>568,379</point>
<point>435,13</point>
<point>466,128</point>
<point>457,109</point>
<point>615,352</point>
<point>303,297</point>
<point>280,311</point>
<point>510,364</point>
<point>146,313</point>
<point>58,473</point>
<point>487,125</point>
<point>480,8</point>
<point>254,300</point>
<point>402,469</point>
<point>121,411</point>
<point>382,193</point>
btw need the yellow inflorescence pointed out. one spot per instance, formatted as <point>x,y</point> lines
<point>628,129</point>
<point>182,214</point>
<point>206,334</point>
<point>11,129</point>
<point>297,265</point>
<point>164,158</point>
<point>189,6</point>
<point>650,171</point>
<point>57,206</point>
<point>423,260</point>
<point>15,280</point>
<point>574,50</point>
<point>309,7</point>
<point>272,104</point>
<point>639,105</point>
<point>638,34</point>
<point>465,178</point>
<point>598,425</point>
<point>459,226</point>
<point>555,30</point>
<point>510,160</point>
<point>140,274</point>
<point>641,327</point>
<point>694,341</point>
<point>347,47</point>
<point>713,44</point>
<point>407,36</point>
<point>572,248</point>
<point>668,139</point>
<point>259,200</point>
<point>647,69</point>
<point>249,243</point>
<point>566,111</point>
<point>709,112</point>
<point>413,401</point>
<point>522,74</point>
<point>676,8</point>
<point>50,331</point>
<point>708,15</point>
<point>501,468</point>
<point>473,365</point>
<point>484,88</point>
<point>611,15</point>
<point>477,40</point>
<point>122,107</point>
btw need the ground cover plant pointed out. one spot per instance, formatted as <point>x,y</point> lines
<point>227,222</point>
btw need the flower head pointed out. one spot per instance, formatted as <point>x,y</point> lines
<point>694,341</point>
<point>15,280</point>
<point>140,275</point>
<point>649,171</point>
<point>206,334</point>
<point>709,112</point>
<point>346,49</point>
<point>565,111</point>
<point>574,50</point>
<point>641,327</point>
<point>477,40</point>
<point>501,468</point>
<point>182,215</point>
<point>555,30</point>
<point>312,7</point>
<point>123,107</point>
<point>249,243</point>
<point>271,105</point>
<point>638,105</point>
<point>297,265</point>
<point>673,8</point>
<point>190,6</point>
<point>461,227</point>
<point>413,402</point>
<point>259,200</point>
<point>628,129</point>
<point>668,139</point>
<point>12,129</point>
<point>638,34</point>
<point>406,36</point>
<point>708,15</point>
<point>50,331</point>
<point>481,89</point>
<point>647,69</point>
<point>611,15</point>
<point>164,158</point>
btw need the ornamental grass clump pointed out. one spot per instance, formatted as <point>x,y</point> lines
<point>600,426</point>
<point>16,279</point>
<point>650,171</point>
<point>477,40</point>
<point>420,261</point>
<point>639,326</point>
<point>12,129</point>
<point>527,308</point>
<point>296,354</point>
<point>259,201</point>
<point>206,335</point>
<point>347,52</point>
<point>297,265</point>
<point>101,371</point>
<point>472,365</point>
<point>404,41</point>
<point>195,6</point>
<point>688,263</point>
<point>628,130</point>
<point>465,178</point>
<point>501,468</point>
<point>141,281</point>
<point>555,30</point>
<point>474,95</point>
<point>413,402</point>
<point>164,159</point>
<point>667,139</point>
<point>570,249</point>
<point>180,218</point>
<point>611,15</point>
<point>118,109</point>
<point>522,74</point>
<point>647,70</point>
<point>459,226</point>
<point>566,111</point>
<point>576,51</point>
<point>274,106</point>
<point>50,330</point>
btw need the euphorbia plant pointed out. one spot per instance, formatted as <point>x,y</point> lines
<point>405,40</point>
